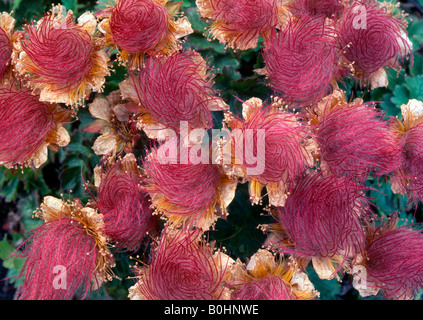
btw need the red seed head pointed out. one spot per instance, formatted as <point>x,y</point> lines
<point>354,140</point>
<point>69,242</point>
<point>270,287</point>
<point>395,261</point>
<point>244,15</point>
<point>59,53</point>
<point>300,60</point>
<point>182,267</point>
<point>125,207</point>
<point>5,51</point>
<point>187,189</point>
<point>322,8</point>
<point>240,23</point>
<point>322,216</point>
<point>176,89</point>
<point>410,174</point>
<point>284,155</point>
<point>53,245</point>
<point>139,25</point>
<point>371,38</point>
<point>24,124</point>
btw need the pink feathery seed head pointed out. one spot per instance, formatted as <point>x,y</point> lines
<point>183,267</point>
<point>5,51</point>
<point>284,156</point>
<point>301,60</point>
<point>176,89</point>
<point>58,248</point>
<point>67,255</point>
<point>323,8</point>
<point>244,15</point>
<point>410,174</point>
<point>322,216</point>
<point>187,188</point>
<point>125,208</point>
<point>354,140</point>
<point>270,287</point>
<point>242,22</point>
<point>60,55</point>
<point>394,261</point>
<point>371,38</point>
<point>24,125</point>
<point>139,25</point>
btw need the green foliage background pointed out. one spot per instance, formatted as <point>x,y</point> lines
<point>21,191</point>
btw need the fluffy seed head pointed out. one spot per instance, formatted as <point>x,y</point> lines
<point>371,38</point>
<point>300,60</point>
<point>59,53</point>
<point>240,23</point>
<point>394,260</point>
<point>139,25</point>
<point>354,139</point>
<point>69,243</point>
<point>124,205</point>
<point>409,177</point>
<point>5,51</point>
<point>322,216</point>
<point>181,189</point>
<point>270,287</point>
<point>176,89</point>
<point>284,156</point>
<point>24,125</point>
<point>323,8</point>
<point>183,267</point>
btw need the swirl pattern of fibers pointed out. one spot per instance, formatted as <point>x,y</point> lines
<point>395,262</point>
<point>24,124</point>
<point>270,287</point>
<point>139,25</point>
<point>189,188</point>
<point>182,268</point>
<point>322,216</point>
<point>301,60</point>
<point>410,175</point>
<point>5,51</point>
<point>125,208</point>
<point>354,140</point>
<point>284,156</point>
<point>176,90</point>
<point>372,45</point>
<point>58,243</point>
<point>60,54</point>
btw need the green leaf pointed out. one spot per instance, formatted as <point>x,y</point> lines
<point>26,207</point>
<point>400,95</point>
<point>10,190</point>
<point>415,33</point>
<point>71,5</point>
<point>6,249</point>
<point>71,179</point>
<point>197,24</point>
<point>328,289</point>
<point>226,62</point>
<point>415,87</point>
